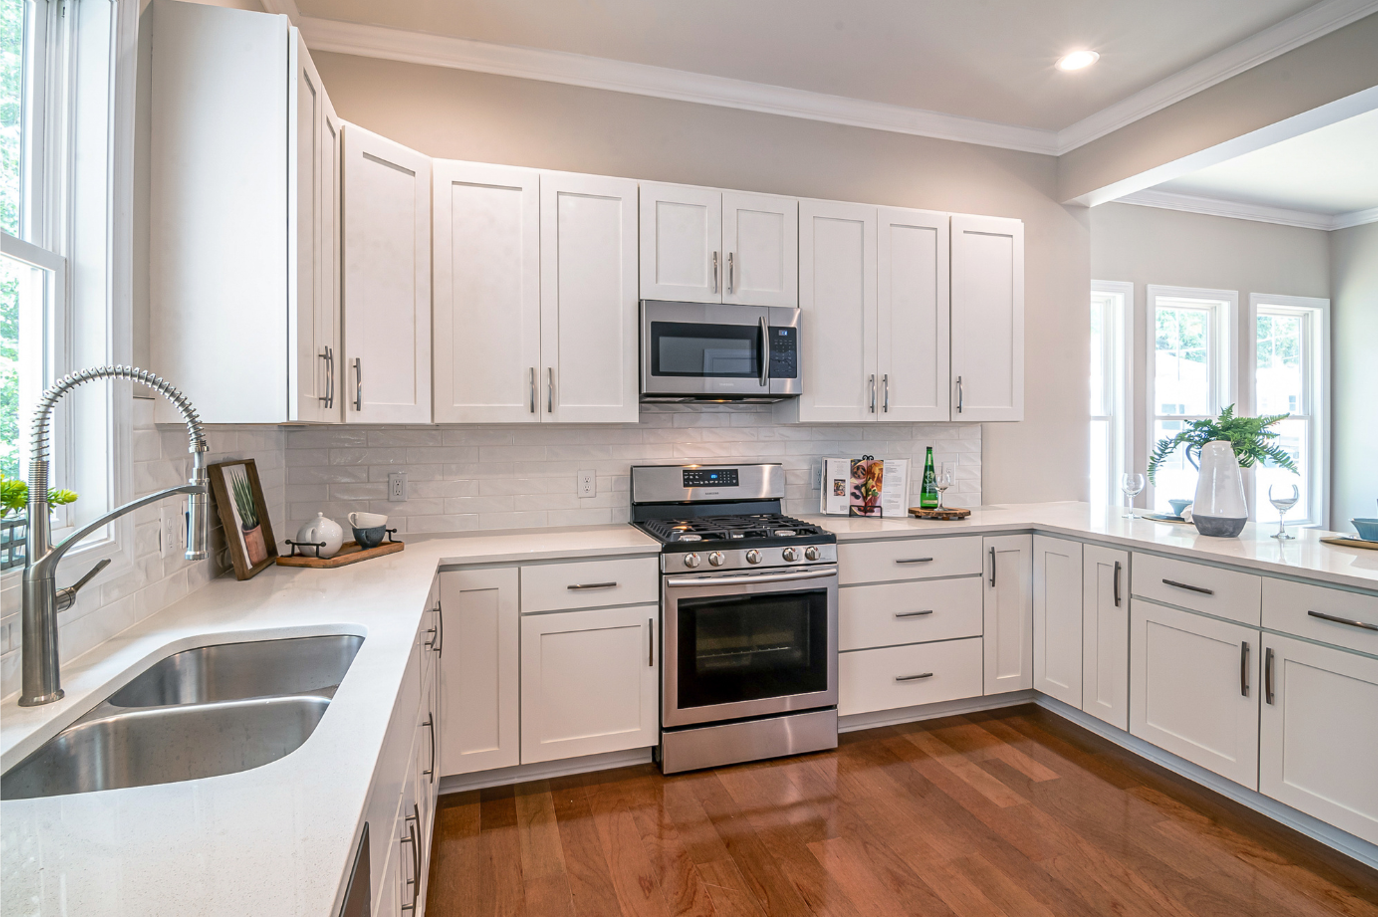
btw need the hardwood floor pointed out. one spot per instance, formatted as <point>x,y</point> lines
<point>1015,812</point>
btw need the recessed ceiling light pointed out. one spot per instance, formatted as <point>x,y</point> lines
<point>1078,60</point>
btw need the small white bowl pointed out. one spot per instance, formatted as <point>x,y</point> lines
<point>367,520</point>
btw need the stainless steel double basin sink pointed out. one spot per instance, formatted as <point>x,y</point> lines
<point>202,712</point>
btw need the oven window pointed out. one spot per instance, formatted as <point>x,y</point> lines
<point>743,648</point>
<point>695,349</point>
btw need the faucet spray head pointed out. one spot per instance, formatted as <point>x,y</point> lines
<point>198,511</point>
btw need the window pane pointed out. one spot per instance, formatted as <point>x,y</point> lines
<point>1176,477</point>
<point>13,277</point>
<point>1101,460</point>
<point>11,113</point>
<point>1182,372</point>
<point>1278,377</point>
<point>1099,405</point>
<point>1292,438</point>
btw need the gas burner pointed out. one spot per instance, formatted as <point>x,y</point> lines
<point>728,528</point>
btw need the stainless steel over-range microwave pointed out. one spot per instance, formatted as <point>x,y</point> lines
<point>701,352</point>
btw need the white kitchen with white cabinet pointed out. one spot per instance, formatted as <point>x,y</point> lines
<point>619,460</point>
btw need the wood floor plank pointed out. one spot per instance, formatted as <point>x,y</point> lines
<point>590,878</point>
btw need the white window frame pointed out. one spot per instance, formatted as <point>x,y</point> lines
<point>1316,392</point>
<point>1117,297</point>
<point>1224,355</point>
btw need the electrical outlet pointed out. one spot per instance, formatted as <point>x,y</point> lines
<point>588,484</point>
<point>397,487</point>
<point>172,536</point>
<point>816,476</point>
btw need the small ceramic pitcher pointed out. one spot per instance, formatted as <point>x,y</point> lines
<point>320,530</point>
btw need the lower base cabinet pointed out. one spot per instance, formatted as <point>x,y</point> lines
<point>478,674</point>
<point>1057,618</point>
<point>1007,609</point>
<point>907,676</point>
<point>1105,634</point>
<point>1193,684</point>
<point>1318,742</point>
<point>590,682</point>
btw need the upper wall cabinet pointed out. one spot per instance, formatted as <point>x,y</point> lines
<point>387,280</point>
<point>711,246</point>
<point>243,218</point>
<point>987,318</point>
<point>912,314</point>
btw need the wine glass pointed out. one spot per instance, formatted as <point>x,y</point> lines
<point>1282,501</point>
<point>942,481</point>
<point>1132,485</point>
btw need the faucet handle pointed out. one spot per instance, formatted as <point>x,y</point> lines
<point>67,597</point>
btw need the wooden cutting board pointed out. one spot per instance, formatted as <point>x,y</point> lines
<point>944,515</point>
<point>1351,542</point>
<point>351,553</point>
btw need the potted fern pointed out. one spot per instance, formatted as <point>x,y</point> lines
<point>1249,437</point>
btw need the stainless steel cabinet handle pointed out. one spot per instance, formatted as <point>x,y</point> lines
<point>885,381</point>
<point>358,383</point>
<point>1268,675</point>
<point>440,629</point>
<point>550,390</point>
<point>913,614</point>
<point>1345,621</point>
<point>1244,669</point>
<point>731,272</point>
<point>1201,589</point>
<point>765,352</point>
<point>959,394</point>
<point>873,392</point>
<point>992,568</point>
<point>715,272</point>
<point>651,651</point>
<point>325,355</point>
<point>410,838</point>
<point>591,585</point>
<point>331,381</point>
<point>533,390</point>
<point>914,560</point>
<point>430,724</point>
<point>1117,584</point>
<point>913,677</point>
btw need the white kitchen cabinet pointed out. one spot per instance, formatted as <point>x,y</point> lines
<point>387,281</point>
<point>760,241</point>
<point>1007,610</point>
<point>590,345</point>
<point>1193,688</point>
<point>479,684</point>
<point>487,249</point>
<point>1318,733</point>
<point>1057,615</point>
<point>590,682</point>
<point>987,318</point>
<point>1105,634</point>
<point>912,315</point>
<point>243,218</point>
<point>908,676</point>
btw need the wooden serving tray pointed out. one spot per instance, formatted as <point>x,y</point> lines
<point>1351,542</point>
<point>351,553</point>
<point>944,515</point>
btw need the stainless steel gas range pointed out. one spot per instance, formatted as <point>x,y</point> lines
<point>748,601</point>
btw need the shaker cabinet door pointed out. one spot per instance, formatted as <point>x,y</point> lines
<point>1057,638</point>
<point>760,241</point>
<point>1008,613</point>
<point>1105,634</point>
<point>987,318</point>
<point>479,688</point>
<point>912,315</point>
<point>681,243</point>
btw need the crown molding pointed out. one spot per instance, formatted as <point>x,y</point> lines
<point>1259,213</point>
<point>663,82</point>
<point>286,8</point>
<point>1291,33</point>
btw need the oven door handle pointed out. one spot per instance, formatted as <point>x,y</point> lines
<point>748,580</point>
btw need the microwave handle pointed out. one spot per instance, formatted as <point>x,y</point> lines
<point>765,353</point>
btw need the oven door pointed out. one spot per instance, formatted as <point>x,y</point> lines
<point>748,644</point>
<point>695,350</point>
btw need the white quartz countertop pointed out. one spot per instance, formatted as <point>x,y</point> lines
<point>274,840</point>
<point>1305,558</point>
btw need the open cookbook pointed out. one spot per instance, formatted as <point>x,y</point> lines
<point>865,486</point>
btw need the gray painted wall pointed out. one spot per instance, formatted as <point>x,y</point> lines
<point>1354,374</point>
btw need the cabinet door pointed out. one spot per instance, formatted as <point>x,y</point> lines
<point>307,378</point>
<point>589,682</point>
<point>1105,634</point>
<point>760,241</point>
<point>589,340</point>
<point>387,280</point>
<point>487,293</point>
<point>328,312</point>
<point>987,318</point>
<point>1318,742</point>
<point>681,243</point>
<point>1193,681</point>
<point>912,314</point>
<point>1057,639</point>
<point>478,670</point>
<point>1008,613</point>
<point>837,296</point>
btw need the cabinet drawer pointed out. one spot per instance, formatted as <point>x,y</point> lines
<point>881,561</point>
<point>1295,608</point>
<point>1224,593</point>
<point>888,614</point>
<point>871,679</point>
<point>593,584</point>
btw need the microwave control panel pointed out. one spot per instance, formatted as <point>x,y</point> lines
<point>784,353</point>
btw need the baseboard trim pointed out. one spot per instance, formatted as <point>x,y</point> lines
<point>1327,834</point>
<point>856,722</point>
<point>544,770</point>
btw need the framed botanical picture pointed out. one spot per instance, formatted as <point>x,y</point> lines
<point>244,516</point>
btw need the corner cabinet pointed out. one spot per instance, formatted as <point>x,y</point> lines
<point>387,281</point>
<point>1008,613</point>
<point>1057,618</point>
<point>479,687</point>
<point>1105,634</point>
<point>987,318</point>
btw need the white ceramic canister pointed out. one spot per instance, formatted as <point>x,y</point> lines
<point>1219,509</point>
<point>320,530</point>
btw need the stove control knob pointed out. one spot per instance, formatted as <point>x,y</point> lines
<point>790,554</point>
<point>691,560</point>
<point>812,552</point>
<point>753,556</point>
<point>716,558</point>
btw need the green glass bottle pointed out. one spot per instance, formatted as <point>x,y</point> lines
<point>928,497</point>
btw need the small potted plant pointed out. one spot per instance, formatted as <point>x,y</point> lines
<point>243,493</point>
<point>14,520</point>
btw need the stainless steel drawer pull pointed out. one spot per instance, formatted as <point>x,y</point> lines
<point>913,677</point>
<point>913,614</point>
<point>915,560</point>
<point>651,629</point>
<point>1117,584</point>
<point>1345,621</point>
<point>591,586</point>
<point>992,568</point>
<point>1244,669</point>
<point>1201,589</point>
<point>1268,675</point>
<point>430,725</point>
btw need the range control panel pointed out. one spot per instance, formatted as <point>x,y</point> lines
<point>784,350</point>
<point>710,477</point>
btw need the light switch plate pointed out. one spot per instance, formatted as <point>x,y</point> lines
<point>397,487</point>
<point>588,484</point>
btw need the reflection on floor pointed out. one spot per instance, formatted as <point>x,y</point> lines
<point>1015,813</point>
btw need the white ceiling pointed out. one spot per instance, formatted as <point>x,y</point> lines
<point>1332,170</point>
<point>985,59</point>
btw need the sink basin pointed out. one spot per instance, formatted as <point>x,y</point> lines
<point>165,745</point>
<point>233,671</point>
